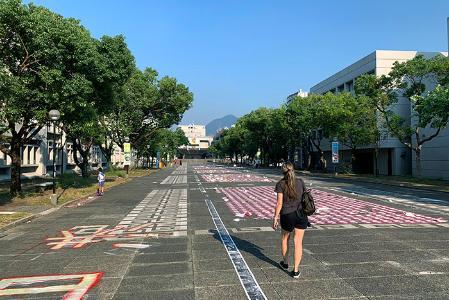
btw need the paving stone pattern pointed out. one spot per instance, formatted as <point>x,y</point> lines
<point>175,251</point>
<point>178,179</point>
<point>166,210</point>
<point>259,202</point>
<point>234,178</point>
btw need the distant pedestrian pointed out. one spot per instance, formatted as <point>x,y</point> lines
<point>289,214</point>
<point>101,179</point>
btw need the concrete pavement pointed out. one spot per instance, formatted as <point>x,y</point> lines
<point>203,232</point>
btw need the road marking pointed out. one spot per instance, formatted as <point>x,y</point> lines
<point>431,273</point>
<point>76,285</point>
<point>134,246</point>
<point>163,213</point>
<point>246,277</point>
<point>328,227</point>
<point>178,179</point>
<point>332,209</point>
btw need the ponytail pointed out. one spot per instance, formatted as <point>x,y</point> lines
<point>290,180</point>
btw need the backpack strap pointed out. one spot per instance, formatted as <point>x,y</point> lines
<point>303,191</point>
<point>303,185</point>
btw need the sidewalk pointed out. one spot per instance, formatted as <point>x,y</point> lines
<point>157,236</point>
<point>414,183</point>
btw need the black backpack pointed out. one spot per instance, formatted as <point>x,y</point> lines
<point>308,205</point>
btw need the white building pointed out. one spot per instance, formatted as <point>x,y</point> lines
<point>394,157</point>
<point>299,93</point>
<point>37,156</point>
<point>197,136</point>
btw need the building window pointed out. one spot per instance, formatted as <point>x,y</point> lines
<point>29,157</point>
<point>35,152</point>
<point>340,88</point>
<point>350,86</point>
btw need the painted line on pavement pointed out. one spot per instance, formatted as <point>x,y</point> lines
<point>246,277</point>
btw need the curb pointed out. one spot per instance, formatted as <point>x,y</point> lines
<point>38,215</point>
<point>18,222</point>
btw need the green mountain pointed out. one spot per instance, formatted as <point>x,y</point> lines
<point>217,124</point>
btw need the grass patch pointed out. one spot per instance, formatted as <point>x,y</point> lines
<point>139,172</point>
<point>115,172</point>
<point>69,187</point>
<point>70,194</point>
<point>6,219</point>
<point>72,180</point>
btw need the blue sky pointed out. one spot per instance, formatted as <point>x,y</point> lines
<point>236,56</point>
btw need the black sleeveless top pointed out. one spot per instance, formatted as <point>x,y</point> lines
<point>289,205</point>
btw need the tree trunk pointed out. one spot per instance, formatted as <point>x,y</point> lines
<point>84,168</point>
<point>107,152</point>
<point>323,162</point>
<point>16,163</point>
<point>83,165</point>
<point>352,159</point>
<point>376,161</point>
<point>418,161</point>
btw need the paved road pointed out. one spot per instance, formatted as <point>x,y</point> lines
<point>203,232</point>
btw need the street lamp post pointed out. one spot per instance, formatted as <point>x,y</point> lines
<point>54,117</point>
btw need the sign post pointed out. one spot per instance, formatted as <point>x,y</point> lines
<point>335,156</point>
<point>158,158</point>
<point>127,155</point>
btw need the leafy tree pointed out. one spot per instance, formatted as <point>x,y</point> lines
<point>263,129</point>
<point>307,120</point>
<point>164,141</point>
<point>113,65</point>
<point>145,104</point>
<point>414,80</point>
<point>44,59</point>
<point>352,120</point>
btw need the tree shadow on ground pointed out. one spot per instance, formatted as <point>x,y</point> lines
<point>5,198</point>
<point>251,248</point>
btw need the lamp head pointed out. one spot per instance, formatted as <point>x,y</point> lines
<point>54,114</point>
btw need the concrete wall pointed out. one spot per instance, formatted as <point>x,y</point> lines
<point>434,156</point>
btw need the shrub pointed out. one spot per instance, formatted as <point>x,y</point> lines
<point>68,180</point>
<point>115,172</point>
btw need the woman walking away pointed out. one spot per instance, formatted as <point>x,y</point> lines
<point>289,212</point>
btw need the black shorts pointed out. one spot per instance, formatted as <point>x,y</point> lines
<point>291,221</point>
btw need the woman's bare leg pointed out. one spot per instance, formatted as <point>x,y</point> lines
<point>284,245</point>
<point>299,234</point>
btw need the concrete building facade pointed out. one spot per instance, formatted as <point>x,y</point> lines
<point>37,156</point>
<point>197,136</point>
<point>394,157</point>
